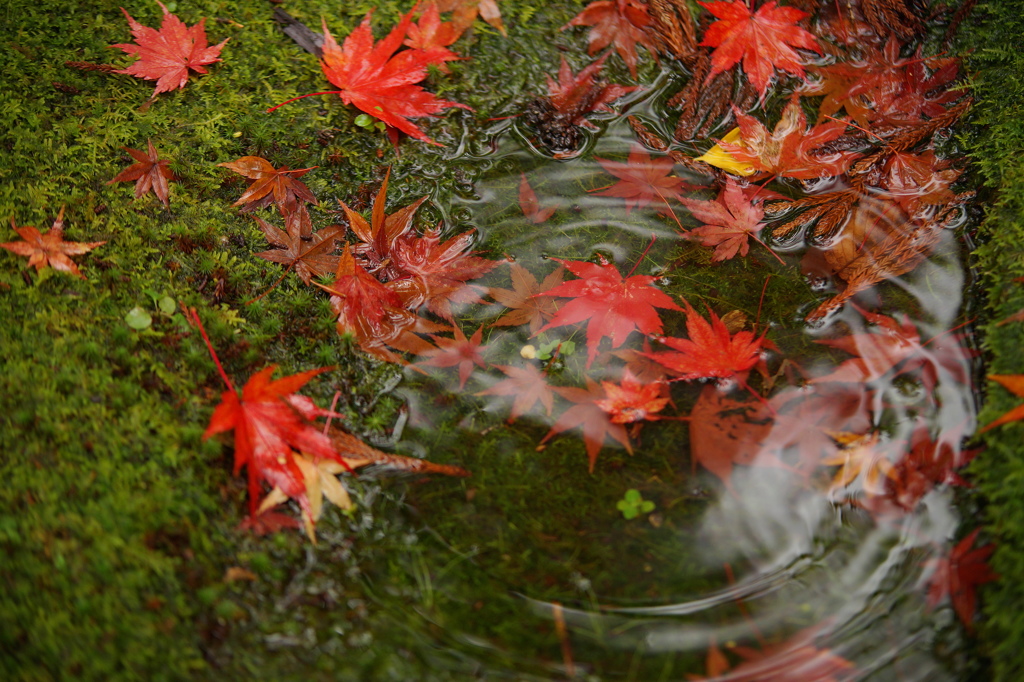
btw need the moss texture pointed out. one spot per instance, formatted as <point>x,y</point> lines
<point>996,144</point>
<point>117,522</point>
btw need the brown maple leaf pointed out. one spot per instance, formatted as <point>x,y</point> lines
<point>310,256</point>
<point>49,248</point>
<point>465,12</point>
<point>167,55</point>
<point>619,23</point>
<point>527,386</point>
<point>525,300</point>
<point>150,173</point>
<point>531,206</point>
<point>729,221</point>
<point>725,432</point>
<point>278,185</point>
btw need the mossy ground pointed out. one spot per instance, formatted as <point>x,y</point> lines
<point>118,522</point>
<point>995,143</point>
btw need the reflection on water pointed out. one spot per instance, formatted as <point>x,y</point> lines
<point>805,554</point>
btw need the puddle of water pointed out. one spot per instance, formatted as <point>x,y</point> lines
<point>792,570</point>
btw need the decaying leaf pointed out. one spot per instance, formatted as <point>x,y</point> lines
<point>150,173</point>
<point>271,185</point>
<point>527,301</point>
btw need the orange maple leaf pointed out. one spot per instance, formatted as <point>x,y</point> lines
<point>595,422</point>
<point>49,248</point>
<point>167,55</point>
<point>711,352</point>
<point>1014,383</point>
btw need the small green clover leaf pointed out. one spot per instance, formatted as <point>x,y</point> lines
<point>633,504</point>
<point>548,349</point>
<point>368,122</point>
<point>138,319</point>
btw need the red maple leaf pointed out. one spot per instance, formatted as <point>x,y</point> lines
<point>711,351</point>
<point>631,401</point>
<point>167,55</point>
<point>642,180</point>
<point>576,95</point>
<point>435,272</point>
<point>527,386</point>
<point>271,423</point>
<point>729,220</point>
<point>49,248</point>
<point>150,173</point>
<point>531,206</point>
<point>790,150</point>
<point>880,87</point>
<point>596,423</point>
<point>381,81</point>
<point>797,659</point>
<point>764,40</point>
<point>611,305</point>
<point>459,351</point>
<point>432,34</point>
<point>958,575</point>
<point>620,23</point>
<point>363,303</point>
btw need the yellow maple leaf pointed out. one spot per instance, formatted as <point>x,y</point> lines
<point>719,158</point>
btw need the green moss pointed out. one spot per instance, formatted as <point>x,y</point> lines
<point>117,521</point>
<point>995,145</point>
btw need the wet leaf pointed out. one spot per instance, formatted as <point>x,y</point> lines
<point>167,55</point>
<point>150,173</point>
<point>49,248</point>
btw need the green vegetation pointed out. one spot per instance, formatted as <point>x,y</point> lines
<point>118,522</point>
<point>995,145</point>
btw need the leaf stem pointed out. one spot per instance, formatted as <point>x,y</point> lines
<point>193,316</point>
